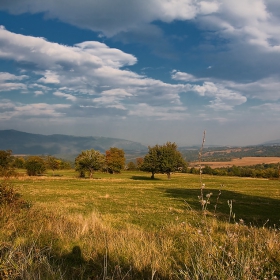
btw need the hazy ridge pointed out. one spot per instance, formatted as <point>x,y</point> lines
<point>57,144</point>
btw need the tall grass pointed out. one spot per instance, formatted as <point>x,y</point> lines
<point>39,243</point>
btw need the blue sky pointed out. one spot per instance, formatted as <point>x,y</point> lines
<point>145,70</point>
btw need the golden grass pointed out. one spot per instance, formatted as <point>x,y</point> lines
<point>128,227</point>
<point>245,161</point>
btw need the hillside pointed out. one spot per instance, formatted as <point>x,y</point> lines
<point>57,144</point>
<point>228,153</point>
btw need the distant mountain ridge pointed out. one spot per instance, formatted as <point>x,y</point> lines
<point>57,144</point>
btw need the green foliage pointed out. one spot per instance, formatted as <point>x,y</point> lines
<point>19,162</point>
<point>115,160</point>
<point>35,165</point>
<point>8,196</point>
<point>139,162</point>
<point>229,153</point>
<point>6,160</point>
<point>268,171</point>
<point>131,166</point>
<point>89,161</point>
<point>163,159</point>
<point>131,227</point>
<point>53,163</point>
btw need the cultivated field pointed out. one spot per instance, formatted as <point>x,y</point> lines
<point>128,226</point>
<point>245,161</point>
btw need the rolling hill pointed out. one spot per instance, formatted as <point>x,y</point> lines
<point>57,144</point>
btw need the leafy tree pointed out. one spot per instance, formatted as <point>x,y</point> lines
<point>171,159</point>
<point>19,162</point>
<point>151,162</point>
<point>89,161</point>
<point>53,163</point>
<point>115,160</point>
<point>35,165</point>
<point>163,159</point>
<point>139,162</point>
<point>131,166</point>
<point>6,160</point>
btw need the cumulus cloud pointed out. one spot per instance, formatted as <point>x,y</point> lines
<point>253,21</point>
<point>10,109</point>
<point>246,21</point>
<point>88,74</point>
<point>65,95</point>
<point>7,82</point>
<point>158,113</point>
<point>222,96</point>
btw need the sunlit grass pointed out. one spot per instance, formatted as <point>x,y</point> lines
<point>126,226</point>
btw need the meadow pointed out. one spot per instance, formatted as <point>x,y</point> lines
<point>244,161</point>
<point>127,226</point>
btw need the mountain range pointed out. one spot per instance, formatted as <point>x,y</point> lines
<point>57,144</point>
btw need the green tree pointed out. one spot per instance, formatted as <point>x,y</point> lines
<point>89,161</point>
<point>151,162</point>
<point>163,159</point>
<point>115,160</point>
<point>139,162</point>
<point>131,166</point>
<point>171,159</point>
<point>6,160</point>
<point>53,163</point>
<point>19,162</point>
<point>35,165</point>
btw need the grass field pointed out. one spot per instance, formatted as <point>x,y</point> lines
<point>245,161</point>
<point>127,226</point>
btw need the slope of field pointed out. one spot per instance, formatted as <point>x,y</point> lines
<point>127,226</point>
<point>246,161</point>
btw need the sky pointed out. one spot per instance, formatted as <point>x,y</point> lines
<point>149,71</point>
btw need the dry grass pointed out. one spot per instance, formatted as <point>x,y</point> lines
<point>129,227</point>
<point>245,161</point>
<point>41,244</point>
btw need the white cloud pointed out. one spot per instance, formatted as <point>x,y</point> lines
<point>75,73</point>
<point>250,22</point>
<point>158,113</point>
<point>49,78</point>
<point>7,84</point>
<point>181,76</point>
<point>65,95</point>
<point>223,96</point>
<point>38,92</point>
<point>255,22</point>
<point>10,110</point>
<point>4,76</point>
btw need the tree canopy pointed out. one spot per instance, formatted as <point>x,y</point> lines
<point>89,161</point>
<point>35,165</point>
<point>115,160</point>
<point>6,159</point>
<point>163,159</point>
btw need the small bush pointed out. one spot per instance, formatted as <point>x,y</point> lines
<point>35,166</point>
<point>9,197</point>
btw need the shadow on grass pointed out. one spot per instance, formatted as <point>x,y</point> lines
<point>253,210</point>
<point>143,178</point>
<point>75,267</point>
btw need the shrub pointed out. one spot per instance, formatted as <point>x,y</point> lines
<point>35,165</point>
<point>7,194</point>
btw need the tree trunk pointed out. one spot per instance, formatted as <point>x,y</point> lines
<point>168,175</point>
<point>153,175</point>
<point>90,174</point>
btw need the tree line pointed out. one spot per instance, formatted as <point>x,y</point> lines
<point>159,159</point>
<point>34,165</point>
<point>269,171</point>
